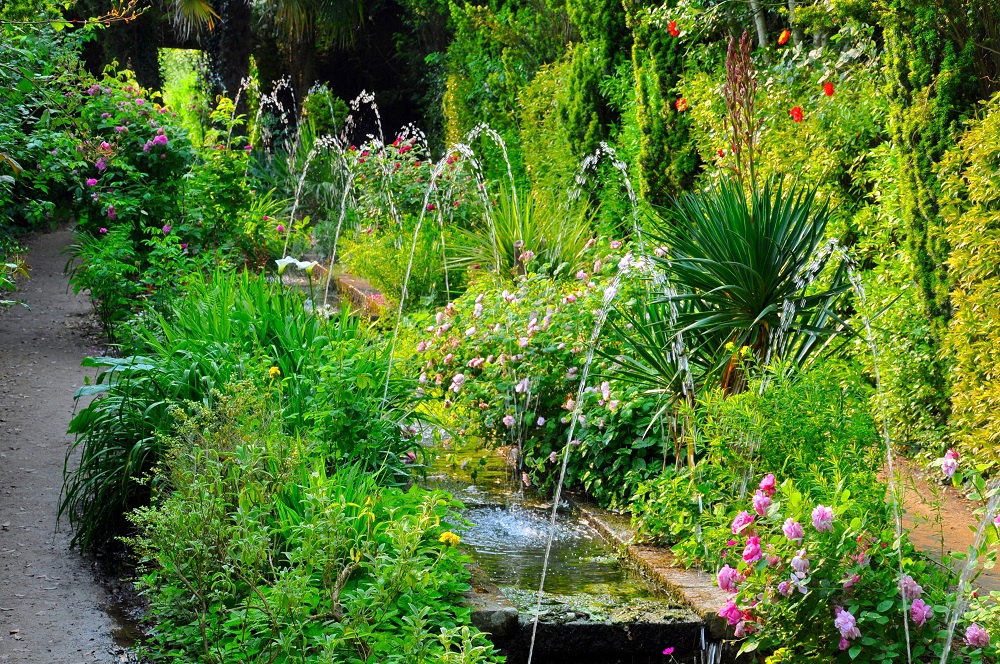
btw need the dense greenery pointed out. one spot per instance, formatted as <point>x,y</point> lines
<point>709,279</point>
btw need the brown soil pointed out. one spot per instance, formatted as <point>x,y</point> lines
<point>50,598</point>
<point>940,518</point>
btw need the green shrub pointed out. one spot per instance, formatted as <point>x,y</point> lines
<point>229,328</point>
<point>971,195</point>
<point>255,553</point>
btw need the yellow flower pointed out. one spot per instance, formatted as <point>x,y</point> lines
<point>449,538</point>
<point>274,372</point>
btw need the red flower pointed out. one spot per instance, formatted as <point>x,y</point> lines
<point>681,104</point>
<point>672,28</point>
<point>828,89</point>
<point>721,152</point>
<point>783,37</point>
<point>796,113</point>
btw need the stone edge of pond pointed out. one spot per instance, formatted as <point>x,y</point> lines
<point>492,612</point>
<point>695,588</point>
<point>360,293</point>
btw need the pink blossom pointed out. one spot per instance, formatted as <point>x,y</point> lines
<point>91,182</point>
<point>846,623</point>
<point>166,229</point>
<point>105,116</point>
<point>523,342</point>
<point>160,139</point>
<point>569,299</point>
<point>103,231</point>
<point>742,521</point>
<point>668,651</point>
<point>456,383</point>
<point>920,611</point>
<point>101,165</point>
<point>976,636</point>
<point>726,578</point>
<point>552,457</point>
<point>184,245</point>
<point>851,582</point>
<point>731,613</point>
<point>280,228</point>
<point>581,275</point>
<point>423,378</point>
<point>590,243</point>
<point>616,244</point>
<point>844,644</point>
<point>800,563</point>
<point>121,128</point>
<point>822,518</point>
<point>112,213</point>
<point>541,421</point>
<point>786,588</point>
<point>422,346</point>
<point>448,358</point>
<point>140,102</point>
<point>751,553</point>
<point>526,256</point>
<point>767,485</point>
<point>793,530</point>
<point>508,420</point>
<point>949,464</point>
<point>761,501</point>
<point>909,588</point>
<point>996,521</point>
<point>105,145</point>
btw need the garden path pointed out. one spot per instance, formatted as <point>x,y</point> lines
<point>50,600</point>
<point>941,521</point>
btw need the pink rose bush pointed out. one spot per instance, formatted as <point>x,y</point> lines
<point>839,582</point>
<point>522,350</point>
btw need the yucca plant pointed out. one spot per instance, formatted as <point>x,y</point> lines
<point>742,268</point>
<point>523,223</point>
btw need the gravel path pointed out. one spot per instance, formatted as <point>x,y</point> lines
<point>50,599</point>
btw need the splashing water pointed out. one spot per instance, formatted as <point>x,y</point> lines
<point>628,264</point>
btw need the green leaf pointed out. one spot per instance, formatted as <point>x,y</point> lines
<point>854,652</point>
<point>884,606</point>
<point>24,86</point>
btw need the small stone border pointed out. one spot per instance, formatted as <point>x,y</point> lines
<point>696,589</point>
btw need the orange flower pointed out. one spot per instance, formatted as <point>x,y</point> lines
<point>672,28</point>
<point>796,113</point>
<point>828,89</point>
<point>681,104</point>
<point>783,37</point>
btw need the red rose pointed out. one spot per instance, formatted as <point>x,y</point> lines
<point>828,89</point>
<point>672,28</point>
<point>796,113</point>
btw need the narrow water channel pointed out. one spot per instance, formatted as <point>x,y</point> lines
<point>595,609</point>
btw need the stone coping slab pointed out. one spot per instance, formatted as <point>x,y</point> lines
<point>695,588</point>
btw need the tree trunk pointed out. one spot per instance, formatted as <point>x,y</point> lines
<point>798,35</point>
<point>760,21</point>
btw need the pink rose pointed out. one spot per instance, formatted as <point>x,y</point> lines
<point>846,624</point>
<point>767,485</point>
<point>977,637</point>
<point>761,501</point>
<point>909,588</point>
<point>741,522</point>
<point>731,613</point>
<point>727,578</point>
<point>920,612</point>
<point>793,530</point>
<point>752,553</point>
<point>822,518</point>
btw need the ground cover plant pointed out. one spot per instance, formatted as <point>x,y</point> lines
<point>259,553</point>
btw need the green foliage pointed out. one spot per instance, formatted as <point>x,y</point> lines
<point>970,195</point>
<point>256,553</point>
<point>668,160</point>
<point>522,228</point>
<point>229,328</point>
<point>813,429</point>
<point>737,263</point>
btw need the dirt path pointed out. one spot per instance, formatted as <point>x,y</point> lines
<point>50,601</point>
<point>941,519</point>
